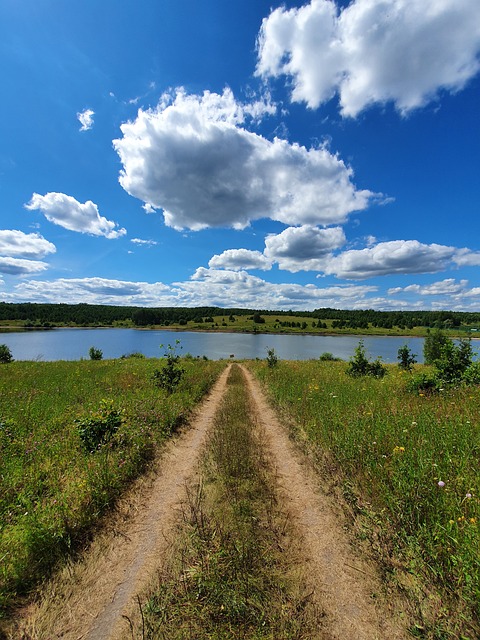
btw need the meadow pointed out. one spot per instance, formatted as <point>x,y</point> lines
<point>407,464</point>
<point>58,474</point>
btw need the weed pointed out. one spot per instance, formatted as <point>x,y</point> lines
<point>99,427</point>
<point>171,374</point>
<point>95,354</point>
<point>272,359</point>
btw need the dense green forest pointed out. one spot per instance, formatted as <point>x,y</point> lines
<point>51,315</point>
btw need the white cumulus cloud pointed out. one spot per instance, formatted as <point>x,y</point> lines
<point>303,248</point>
<point>372,51</point>
<point>67,212</point>
<point>193,158</point>
<point>239,259</point>
<point>18,244</point>
<point>21,267</point>
<point>86,119</point>
<point>449,286</point>
<point>394,257</point>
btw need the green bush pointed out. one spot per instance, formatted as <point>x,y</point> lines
<point>426,383</point>
<point>5,354</point>
<point>170,375</point>
<point>272,359</point>
<point>100,427</point>
<point>326,356</point>
<point>359,365</point>
<point>95,354</point>
<point>406,359</point>
<point>472,373</point>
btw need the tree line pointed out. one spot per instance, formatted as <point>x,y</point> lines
<point>42,314</point>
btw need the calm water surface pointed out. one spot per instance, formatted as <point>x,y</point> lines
<point>74,344</point>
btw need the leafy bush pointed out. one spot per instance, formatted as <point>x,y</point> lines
<point>472,373</point>
<point>326,356</point>
<point>170,375</point>
<point>99,427</point>
<point>454,360</point>
<point>134,354</point>
<point>359,365</point>
<point>406,359</point>
<point>432,347</point>
<point>95,354</point>
<point>426,383</point>
<point>5,354</point>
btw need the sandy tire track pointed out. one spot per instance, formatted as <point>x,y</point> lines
<point>101,590</point>
<point>342,580</point>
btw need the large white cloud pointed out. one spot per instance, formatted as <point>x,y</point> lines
<point>373,51</point>
<point>21,267</point>
<point>18,244</point>
<point>192,157</point>
<point>73,215</point>
<point>395,257</point>
<point>303,248</point>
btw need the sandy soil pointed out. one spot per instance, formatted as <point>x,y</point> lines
<point>96,598</point>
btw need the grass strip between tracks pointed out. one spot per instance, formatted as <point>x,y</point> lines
<point>233,575</point>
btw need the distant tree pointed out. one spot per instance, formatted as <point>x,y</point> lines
<point>258,319</point>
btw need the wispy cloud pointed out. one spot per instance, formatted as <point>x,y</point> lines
<point>86,119</point>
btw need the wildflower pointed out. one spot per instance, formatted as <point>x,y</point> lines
<point>468,496</point>
<point>461,519</point>
<point>398,449</point>
<point>421,394</point>
<point>451,522</point>
<point>414,424</point>
<point>441,483</point>
<point>473,520</point>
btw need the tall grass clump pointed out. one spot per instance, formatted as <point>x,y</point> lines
<point>409,465</point>
<point>230,579</point>
<point>72,435</point>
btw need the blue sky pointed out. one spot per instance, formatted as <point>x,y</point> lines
<point>241,153</point>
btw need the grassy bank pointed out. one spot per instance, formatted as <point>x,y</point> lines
<point>409,466</point>
<point>232,576</point>
<point>53,489</point>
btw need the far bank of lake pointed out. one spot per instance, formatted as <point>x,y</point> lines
<point>74,344</point>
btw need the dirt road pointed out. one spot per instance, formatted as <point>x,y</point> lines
<point>94,599</point>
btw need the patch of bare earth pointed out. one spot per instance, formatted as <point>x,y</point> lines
<point>345,584</point>
<point>95,599</point>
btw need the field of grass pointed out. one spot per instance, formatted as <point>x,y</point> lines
<point>52,488</point>
<point>231,576</point>
<point>409,464</point>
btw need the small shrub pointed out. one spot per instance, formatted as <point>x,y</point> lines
<point>426,383</point>
<point>5,354</point>
<point>359,365</point>
<point>95,354</point>
<point>406,359</point>
<point>170,375</point>
<point>454,360</point>
<point>326,356</point>
<point>99,427</point>
<point>472,373</point>
<point>135,354</point>
<point>272,359</point>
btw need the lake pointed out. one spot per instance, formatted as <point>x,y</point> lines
<point>74,344</point>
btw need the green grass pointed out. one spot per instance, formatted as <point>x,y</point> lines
<point>51,490</point>
<point>230,579</point>
<point>389,450</point>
